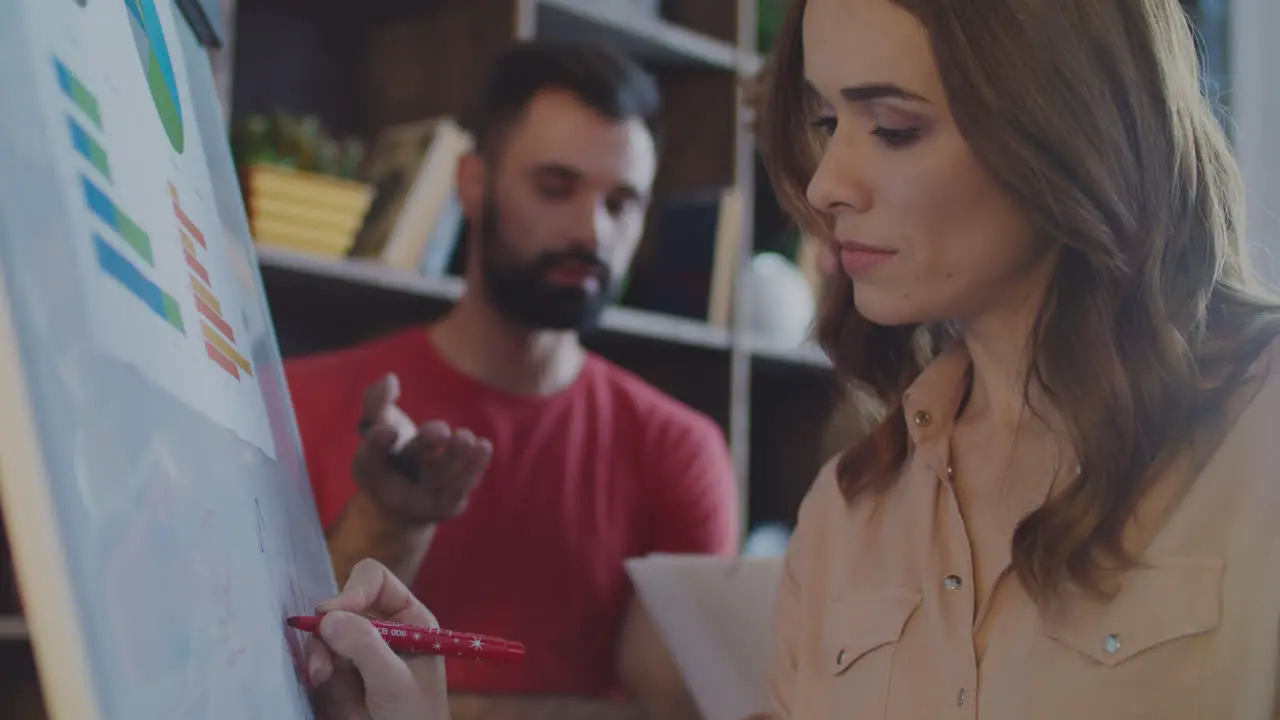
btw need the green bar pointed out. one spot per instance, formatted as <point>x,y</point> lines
<point>98,157</point>
<point>78,93</point>
<point>173,313</point>
<point>135,236</point>
<point>86,101</point>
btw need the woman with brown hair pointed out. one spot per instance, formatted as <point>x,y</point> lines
<point>1064,508</point>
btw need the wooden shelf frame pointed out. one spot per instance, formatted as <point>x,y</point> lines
<point>13,628</point>
<point>370,274</point>
<point>639,324</point>
<point>654,41</point>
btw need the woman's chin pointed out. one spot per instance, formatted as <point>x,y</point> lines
<point>886,308</point>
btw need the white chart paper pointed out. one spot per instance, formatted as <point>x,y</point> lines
<point>153,258</point>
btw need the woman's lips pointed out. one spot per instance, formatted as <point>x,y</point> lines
<point>856,258</point>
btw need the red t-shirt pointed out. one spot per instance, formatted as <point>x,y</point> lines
<point>607,469</point>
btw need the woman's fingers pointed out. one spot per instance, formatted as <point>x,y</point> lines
<point>372,589</point>
<point>383,672</point>
<point>319,661</point>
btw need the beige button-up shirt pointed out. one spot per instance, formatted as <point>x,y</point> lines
<point>877,615</point>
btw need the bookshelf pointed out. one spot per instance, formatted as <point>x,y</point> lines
<point>386,63</point>
<point>361,71</point>
<point>366,279</point>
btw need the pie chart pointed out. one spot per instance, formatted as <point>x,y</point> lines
<point>148,37</point>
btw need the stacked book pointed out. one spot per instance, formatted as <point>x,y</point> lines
<point>304,211</point>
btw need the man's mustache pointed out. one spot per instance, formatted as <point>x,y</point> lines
<point>573,257</point>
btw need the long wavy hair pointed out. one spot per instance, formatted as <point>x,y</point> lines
<point>1091,115</point>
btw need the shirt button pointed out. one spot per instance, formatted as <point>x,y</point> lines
<point>960,698</point>
<point>951,582</point>
<point>840,656</point>
<point>1111,644</point>
<point>923,418</point>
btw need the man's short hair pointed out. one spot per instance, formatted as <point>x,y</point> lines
<point>601,78</point>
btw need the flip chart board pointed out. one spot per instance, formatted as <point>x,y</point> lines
<point>158,508</point>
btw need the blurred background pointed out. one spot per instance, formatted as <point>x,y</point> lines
<point>344,124</point>
<point>343,119</point>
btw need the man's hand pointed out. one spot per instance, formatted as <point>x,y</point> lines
<point>448,463</point>
<point>392,518</point>
<point>355,673</point>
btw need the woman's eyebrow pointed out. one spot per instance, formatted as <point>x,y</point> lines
<point>866,93</point>
<point>877,91</point>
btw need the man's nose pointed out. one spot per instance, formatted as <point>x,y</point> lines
<point>591,222</point>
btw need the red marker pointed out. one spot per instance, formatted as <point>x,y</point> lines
<point>410,639</point>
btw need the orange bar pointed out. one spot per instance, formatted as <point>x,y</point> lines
<point>204,294</point>
<point>186,242</point>
<point>182,217</point>
<point>222,360</point>
<point>215,318</point>
<point>197,268</point>
<point>210,336</point>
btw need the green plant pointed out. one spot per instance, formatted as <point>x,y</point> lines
<point>299,142</point>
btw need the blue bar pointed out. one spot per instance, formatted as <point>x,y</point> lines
<point>64,77</point>
<point>80,139</point>
<point>89,148</point>
<point>128,275</point>
<point>100,204</point>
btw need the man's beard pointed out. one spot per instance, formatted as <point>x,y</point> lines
<point>522,292</point>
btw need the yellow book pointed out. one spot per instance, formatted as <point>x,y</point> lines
<point>292,237</point>
<point>307,188</point>
<point>313,215</point>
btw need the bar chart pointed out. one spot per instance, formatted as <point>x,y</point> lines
<point>88,147</point>
<point>114,263</point>
<point>156,265</point>
<point>118,267</point>
<point>117,220</point>
<point>219,337</point>
<point>78,93</point>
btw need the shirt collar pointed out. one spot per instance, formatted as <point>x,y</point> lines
<point>933,400</point>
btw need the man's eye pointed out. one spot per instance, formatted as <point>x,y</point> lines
<point>558,189</point>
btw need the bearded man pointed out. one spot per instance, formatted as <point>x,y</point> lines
<point>501,470</point>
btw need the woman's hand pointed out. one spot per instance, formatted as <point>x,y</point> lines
<point>355,673</point>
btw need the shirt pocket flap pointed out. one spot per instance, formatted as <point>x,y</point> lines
<point>1157,603</point>
<point>861,621</point>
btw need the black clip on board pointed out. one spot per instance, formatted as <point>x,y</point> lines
<point>205,18</point>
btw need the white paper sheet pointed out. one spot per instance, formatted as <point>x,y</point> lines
<point>154,260</point>
<point>716,616</point>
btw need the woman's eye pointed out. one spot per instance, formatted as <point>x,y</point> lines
<point>896,137</point>
<point>826,125</point>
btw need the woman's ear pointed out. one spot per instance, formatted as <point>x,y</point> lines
<point>471,183</point>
